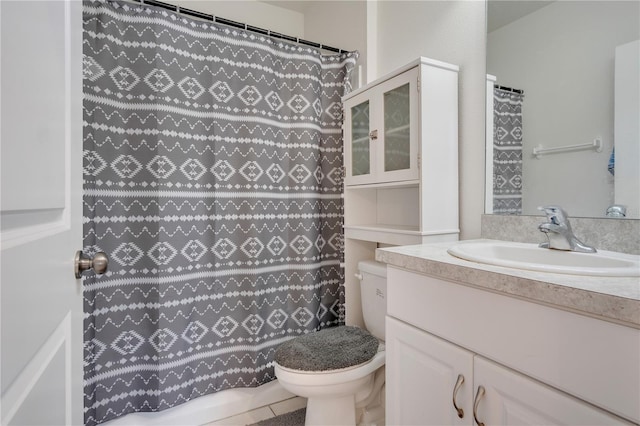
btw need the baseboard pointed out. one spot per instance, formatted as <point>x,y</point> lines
<point>210,408</point>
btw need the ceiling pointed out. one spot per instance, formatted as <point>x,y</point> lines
<point>295,5</point>
<point>500,12</point>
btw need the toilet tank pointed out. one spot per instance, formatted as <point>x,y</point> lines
<point>373,293</point>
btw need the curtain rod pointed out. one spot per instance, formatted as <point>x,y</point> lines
<point>509,89</point>
<point>246,27</point>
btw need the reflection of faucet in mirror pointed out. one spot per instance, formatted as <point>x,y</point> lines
<point>558,231</point>
<point>617,210</point>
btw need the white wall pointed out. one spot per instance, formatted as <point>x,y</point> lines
<point>562,56</point>
<point>341,24</point>
<point>252,12</point>
<point>455,32</point>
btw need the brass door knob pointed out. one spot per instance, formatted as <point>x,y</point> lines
<point>98,263</point>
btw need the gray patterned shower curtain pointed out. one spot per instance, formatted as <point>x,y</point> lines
<point>507,152</point>
<point>213,179</point>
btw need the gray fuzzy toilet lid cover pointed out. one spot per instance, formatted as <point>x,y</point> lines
<point>329,349</point>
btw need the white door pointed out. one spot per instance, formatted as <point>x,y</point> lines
<point>425,377</point>
<point>41,209</point>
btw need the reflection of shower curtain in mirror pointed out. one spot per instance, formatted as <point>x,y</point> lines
<point>507,152</point>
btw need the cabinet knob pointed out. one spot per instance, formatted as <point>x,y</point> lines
<point>373,134</point>
<point>456,388</point>
<point>479,396</point>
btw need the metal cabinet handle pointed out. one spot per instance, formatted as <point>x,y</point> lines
<point>373,134</point>
<point>479,396</point>
<point>82,263</point>
<point>459,383</point>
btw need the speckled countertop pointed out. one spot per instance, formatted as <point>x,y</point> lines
<point>615,299</point>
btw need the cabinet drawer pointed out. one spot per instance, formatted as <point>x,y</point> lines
<point>594,360</point>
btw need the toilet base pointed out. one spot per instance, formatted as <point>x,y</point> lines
<point>327,411</point>
<point>332,398</point>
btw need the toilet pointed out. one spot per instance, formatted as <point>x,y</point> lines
<point>340,370</point>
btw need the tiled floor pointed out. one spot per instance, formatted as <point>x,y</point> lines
<point>262,413</point>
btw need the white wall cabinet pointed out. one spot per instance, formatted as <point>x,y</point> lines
<point>381,132</point>
<point>437,331</point>
<point>401,165</point>
<point>401,156</point>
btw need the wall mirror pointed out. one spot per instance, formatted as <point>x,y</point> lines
<point>565,57</point>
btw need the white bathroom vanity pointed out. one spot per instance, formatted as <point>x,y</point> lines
<point>470,343</point>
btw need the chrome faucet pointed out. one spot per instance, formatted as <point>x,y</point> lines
<point>559,233</point>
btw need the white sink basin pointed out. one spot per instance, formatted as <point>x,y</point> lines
<point>534,258</point>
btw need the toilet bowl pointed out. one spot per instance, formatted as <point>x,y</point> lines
<point>332,396</point>
<point>340,369</point>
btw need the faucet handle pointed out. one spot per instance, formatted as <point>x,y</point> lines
<point>555,214</point>
<point>617,210</point>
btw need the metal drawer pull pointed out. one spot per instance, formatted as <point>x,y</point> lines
<point>373,134</point>
<point>459,383</point>
<point>479,396</point>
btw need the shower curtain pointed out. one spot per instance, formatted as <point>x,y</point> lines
<point>213,180</point>
<point>507,152</point>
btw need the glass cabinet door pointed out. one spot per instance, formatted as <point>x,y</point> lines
<point>381,132</point>
<point>397,129</point>
<point>360,148</point>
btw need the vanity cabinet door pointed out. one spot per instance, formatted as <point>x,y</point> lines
<point>511,398</point>
<point>422,372</point>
